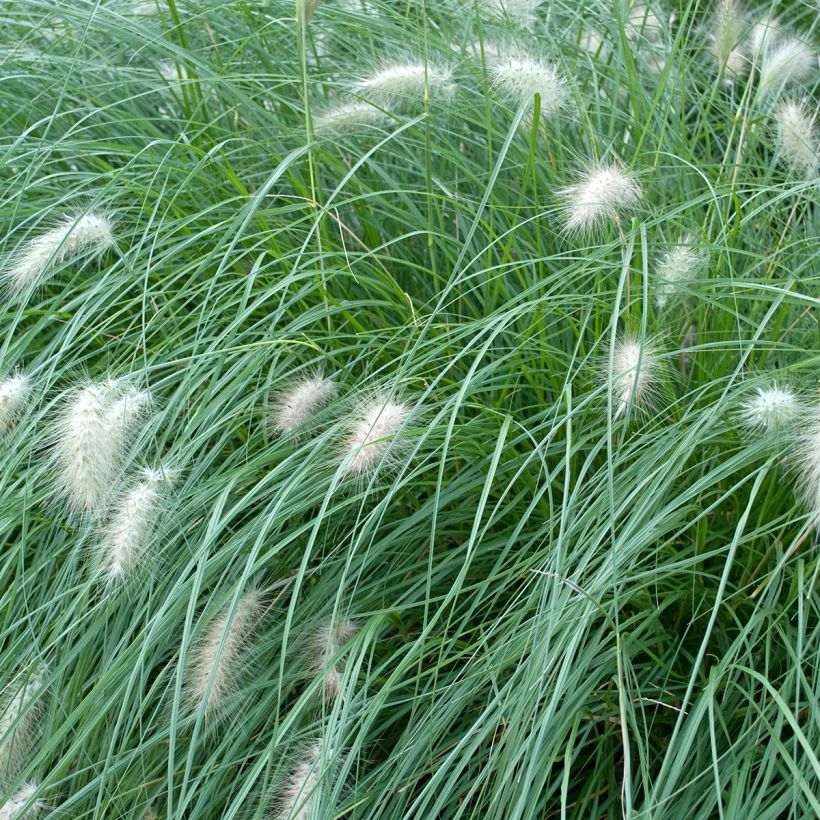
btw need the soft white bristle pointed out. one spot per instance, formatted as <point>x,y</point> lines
<point>348,117</point>
<point>521,77</point>
<point>92,433</point>
<point>635,374</point>
<point>15,807</point>
<point>130,528</point>
<point>300,402</point>
<point>404,83</point>
<point>330,638</point>
<point>20,712</point>
<point>600,194</point>
<point>797,143</point>
<point>678,265</point>
<point>769,408</point>
<point>299,793</point>
<point>372,434</point>
<point>83,238</point>
<point>14,393</point>
<point>808,458</point>
<point>210,675</point>
<point>725,39</point>
<point>764,36</point>
<point>788,62</point>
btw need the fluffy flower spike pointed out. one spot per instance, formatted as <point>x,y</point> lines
<point>329,639</point>
<point>725,39</point>
<point>678,265</point>
<point>83,238</point>
<point>18,721</point>
<point>348,117</point>
<point>770,408</point>
<point>131,527</point>
<point>92,434</point>
<point>15,807</point>
<point>809,461</point>
<point>211,674</point>
<point>299,794</point>
<point>14,393</point>
<point>296,405</point>
<point>788,62</point>
<point>635,373</point>
<point>598,195</point>
<point>797,143</point>
<point>372,435</point>
<point>521,78</point>
<point>406,83</point>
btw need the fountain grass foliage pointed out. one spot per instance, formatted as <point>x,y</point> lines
<point>566,607</point>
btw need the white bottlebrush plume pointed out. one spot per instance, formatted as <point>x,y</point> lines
<point>725,39</point>
<point>91,436</point>
<point>797,143</point>
<point>521,77</point>
<point>15,807</point>
<point>790,61</point>
<point>348,117</point>
<point>299,792</point>
<point>371,436</point>
<point>809,462</point>
<point>329,639</point>
<point>406,82</point>
<point>297,404</point>
<point>132,523</point>
<point>763,36</point>
<point>210,674</point>
<point>599,194</point>
<point>80,238</point>
<point>18,721</point>
<point>769,408</point>
<point>635,373</point>
<point>14,392</point>
<point>677,266</point>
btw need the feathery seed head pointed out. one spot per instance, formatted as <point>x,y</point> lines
<point>770,408</point>
<point>725,39</point>
<point>520,78</point>
<point>797,143</point>
<point>296,405</point>
<point>809,463</point>
<point>18,719</point>
<point>348,117</point>
<point>372,435</point>
<point>406,83</point>
<point>788,62</point>
<point>216,660</point>
<point>763,36</point>
<point>678,265</point>
<point>330,638</point>
<point>14,392</point>
<point>635,373</point>
<point>600,193</point>
<point>15,807</point>
<point>84,238</point>
<point>299,796</point>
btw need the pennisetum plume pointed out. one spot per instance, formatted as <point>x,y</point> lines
<point>296,405</point>
<point>14,393</point>
<point>18,721</point>
<point>797,143</point>
<point>122,550</point>
<point>80,238</point>
<point>600,194</point>
<point>769,408</point>
<point>348,117</point>
<point>788,62</point>
<point>808,459</point>
<point>299,797</point>
<point>407,82</point>
<point>520,78</point>
<point>725,39</point>
<point>371,437</point>
<point>92,433</point>
<point>635,373</point>
<point>215,661</point>
<point>677,266</point>
<point>329,639</point>
<point>20,806</point>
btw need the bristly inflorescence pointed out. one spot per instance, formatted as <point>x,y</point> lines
<point>679,265</point>
<point>81,238</point>
<point>808,460</point>
<point>601,193</point>
<point>371,439</point>
<point>329,639</point>
<point>407,83</point>
<point>19,711</point>
<point>725,40</point>
<point>216,661</point>
<point>347,117</point>
<point>299,796</point>
<point>132,524</point>
<point>20,805</point>
<point>769,408</point>
<point>14,393</point>
<point>797,143</point>
<point>92,433</point>
<point>299,403</point>
<point>521,77</point>
<point>635,373</point>
<point>789,61</point>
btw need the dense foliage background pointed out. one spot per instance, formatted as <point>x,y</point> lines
<point>563,611</point>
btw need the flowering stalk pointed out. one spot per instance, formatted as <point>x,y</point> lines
<point>372,434</point>
<point>329,639</point>
<point>14,392</point>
